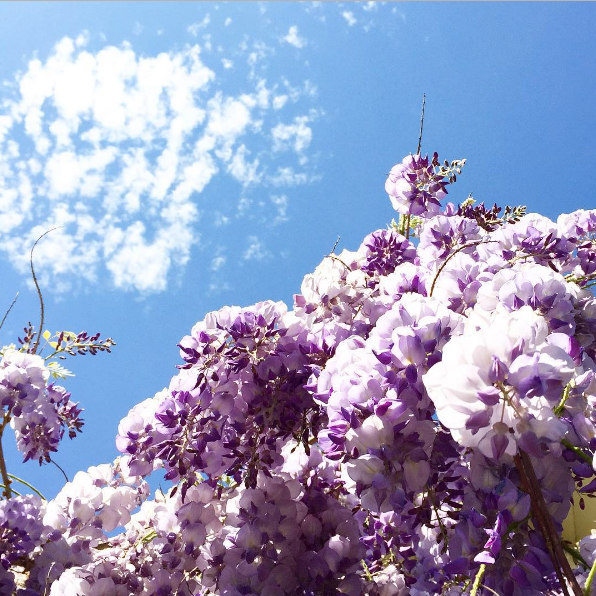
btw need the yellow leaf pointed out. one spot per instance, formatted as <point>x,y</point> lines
<point>47,335</point>
<point>580,522</point>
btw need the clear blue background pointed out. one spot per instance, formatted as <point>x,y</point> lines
<point>510,86</point>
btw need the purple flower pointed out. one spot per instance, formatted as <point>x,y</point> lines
<point>492,548</point>
<point>414,187</point>
<point>385,250</point>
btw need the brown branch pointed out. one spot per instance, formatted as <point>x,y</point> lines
<point>459,249</point>
<point>334,246</point>
<point>421,124</point>
<point>544,522</point>
<point>9,309</point>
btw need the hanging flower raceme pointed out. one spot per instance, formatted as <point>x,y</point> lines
<point>240,391</point>
<point>39,413</point>
<point>499,382</point>
<point>417,184</point>
<point>22,531</point>
<point>384,251</point>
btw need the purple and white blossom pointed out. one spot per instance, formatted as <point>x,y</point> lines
<point>414,187</point>
<point>499,382</point>
<point>39,413</point>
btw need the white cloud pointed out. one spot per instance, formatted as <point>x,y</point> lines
<point>116,147</point>
<point>371,5</point>
<point>68,173</point>
<point>348,15</point>
<point>218,287</point>
<point>137,28</point>
<point>220,219</point>
<point>287,176</point>
<point>314,8</point>
<point>227,64</point>
<point>218,262</point>
<point>256,250</point>
<point>195,28</point>
<point>279,101</point>
<point>207,45</point>
<point>257,55</point>
<point>245,171</point>
<point>294,39</point>
<point>227,22</point>
<point>398,12</point>
<point>144,265</point>
<point>296,135</point>
<point>294,93</point>
<point>82,39</point>
<point>280,203</point>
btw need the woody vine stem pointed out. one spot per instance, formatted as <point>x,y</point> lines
<point>544,521</point>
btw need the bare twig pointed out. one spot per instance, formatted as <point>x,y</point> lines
<point>421,124</point>
<point>41,305</point>
<point>335,245</point>
<point>459,249</point>
<point>60,468</point>
<point>9,309</point>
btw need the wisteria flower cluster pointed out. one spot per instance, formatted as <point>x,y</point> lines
<point>34,408</point>
<point>419,423</point>
<point>39,411</point>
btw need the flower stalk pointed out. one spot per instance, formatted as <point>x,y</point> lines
<point>6,481</point>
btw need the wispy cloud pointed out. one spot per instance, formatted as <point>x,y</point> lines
<point>195,28</point>
<point>281,204</point>
<point>256,250</point>
<point>400,13</point>
<point>218,262</point>
<point>115,148</point>
<point>371,5</point>
<point>287,176</point>
<point>279,101</point>
<point>349,17</point>
<point>294,39</point>
<point>297,135</point>
<point>365,14</point>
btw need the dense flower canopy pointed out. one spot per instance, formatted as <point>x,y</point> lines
<point>419,423</point>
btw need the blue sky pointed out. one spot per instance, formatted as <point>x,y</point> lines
<point>204,154</point>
